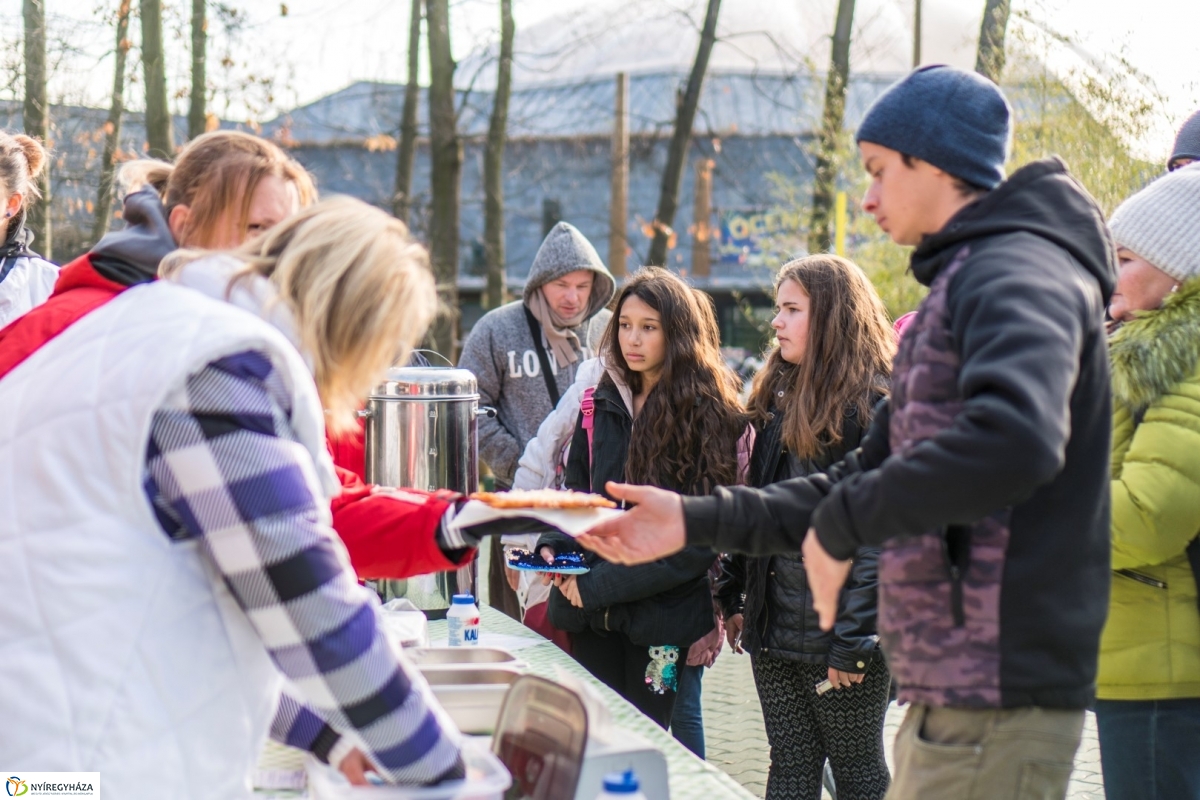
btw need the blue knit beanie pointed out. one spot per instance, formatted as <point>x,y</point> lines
<point>956,120</point>
<point>1187,143</point>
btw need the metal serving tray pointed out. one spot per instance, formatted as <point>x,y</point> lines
<point>460,657</point>
<point>471,696</point>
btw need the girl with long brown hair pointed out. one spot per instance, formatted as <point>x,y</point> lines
<point>812,404</point>
<point>666,413</point>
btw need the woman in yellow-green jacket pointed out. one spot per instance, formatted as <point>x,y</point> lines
<point>1148,711</point>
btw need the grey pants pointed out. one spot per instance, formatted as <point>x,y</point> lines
<point>987,754</point>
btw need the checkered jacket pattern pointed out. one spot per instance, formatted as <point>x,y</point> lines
<point>224,468</point>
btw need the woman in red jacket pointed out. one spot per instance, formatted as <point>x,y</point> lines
<point>224,188</point>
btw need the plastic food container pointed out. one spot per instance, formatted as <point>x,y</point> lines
<point>487,779</point>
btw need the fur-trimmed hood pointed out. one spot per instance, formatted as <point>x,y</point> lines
<point>1157,349</point>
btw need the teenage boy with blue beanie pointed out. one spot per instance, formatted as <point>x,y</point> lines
<point>984,476</point>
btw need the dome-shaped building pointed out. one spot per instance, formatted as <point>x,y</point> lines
<point>760,105</point>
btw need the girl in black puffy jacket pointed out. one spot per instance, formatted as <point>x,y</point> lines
<point>812,404</point>
<point>666,413</point>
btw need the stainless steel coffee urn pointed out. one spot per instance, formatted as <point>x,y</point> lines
<point>421,433</point>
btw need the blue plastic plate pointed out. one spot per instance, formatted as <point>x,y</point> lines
<point>550,569</point>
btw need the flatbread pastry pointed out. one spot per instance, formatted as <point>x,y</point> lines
<point>543,498</point>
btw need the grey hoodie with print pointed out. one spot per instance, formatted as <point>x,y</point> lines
<point>500,351</point>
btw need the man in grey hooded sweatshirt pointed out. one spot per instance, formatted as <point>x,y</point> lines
<point>553,327</point>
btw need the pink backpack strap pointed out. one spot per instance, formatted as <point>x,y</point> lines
<point>587,407</point>
<point>745,446</point>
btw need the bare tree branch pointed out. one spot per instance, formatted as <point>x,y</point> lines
<point>672,181</point>
<point>493,165</point>
<point>407,152</point>
<point>112,128</point>
<point>37,116</point>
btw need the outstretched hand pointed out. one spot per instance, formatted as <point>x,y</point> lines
<point>653,529</point>
<point>826,576</point>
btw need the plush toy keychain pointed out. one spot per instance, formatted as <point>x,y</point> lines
<point>662,673</point>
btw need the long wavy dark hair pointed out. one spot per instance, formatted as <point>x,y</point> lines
<point>847,361</point>
<point>686,436</point>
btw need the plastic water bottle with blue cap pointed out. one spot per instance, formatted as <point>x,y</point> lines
<point>462,621</point>
<point>621,786</point>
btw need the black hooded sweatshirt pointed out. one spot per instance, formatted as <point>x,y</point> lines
<point>130,256</point>
<point>1024,318</point>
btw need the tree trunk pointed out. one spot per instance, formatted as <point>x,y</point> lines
<point>406,155</point>
<point>989,59</point>
<point>446,165</point>
<point>701,212</point>
<point>37,117</point>
<point>618,209</point>
<point>820,239</point>
<point>112,128</point>
<point>917,34</point>
<point>197,117</point>
<point>158,115</point>
<point>672,182</point>
<point>493,166</point>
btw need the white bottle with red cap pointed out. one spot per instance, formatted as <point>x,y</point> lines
<point>621,786</point>
<point>462,621</point>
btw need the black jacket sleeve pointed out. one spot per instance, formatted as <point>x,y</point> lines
<point>774,519</point>
<point>1019,330</point>
<point>610,584</point>
<point>730,586</point>
<point>853,643</point>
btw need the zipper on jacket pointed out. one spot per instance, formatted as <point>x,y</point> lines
<point>1140,578</point>
<point>956,597</point>
<point>957,555</point>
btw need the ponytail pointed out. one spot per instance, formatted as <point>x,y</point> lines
<point>22,160</point>
<point>143,172</point>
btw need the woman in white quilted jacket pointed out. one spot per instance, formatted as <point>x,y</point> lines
<point>26,279</point>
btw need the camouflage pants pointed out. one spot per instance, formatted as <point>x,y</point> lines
<point>961,754</point>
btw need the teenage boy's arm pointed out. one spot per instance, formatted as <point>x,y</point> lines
<point>774,519</point>
<point>1020,330</point>
<point>499,449</point>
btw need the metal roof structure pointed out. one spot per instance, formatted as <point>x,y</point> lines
<point>731,104</point>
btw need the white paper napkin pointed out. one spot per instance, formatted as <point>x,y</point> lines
<point>571,521</point>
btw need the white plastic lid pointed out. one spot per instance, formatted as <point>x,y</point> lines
<point>463,600</point>
<point>621,782</point>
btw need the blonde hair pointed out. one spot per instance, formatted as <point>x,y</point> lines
<point>360,288</point>
<point>22,159</point>
<point>216,173</point>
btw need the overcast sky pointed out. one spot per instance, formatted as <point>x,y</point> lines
<point>322,45</point>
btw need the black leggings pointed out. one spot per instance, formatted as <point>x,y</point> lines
<point>804,728</point>
<point>625,667</point>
